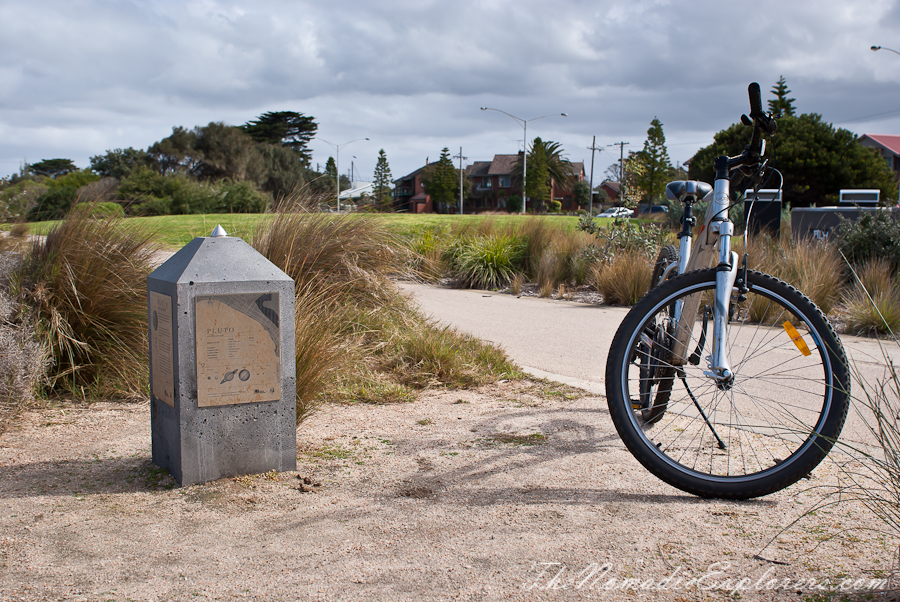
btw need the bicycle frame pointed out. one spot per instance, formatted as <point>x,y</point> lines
<point>715,234</point>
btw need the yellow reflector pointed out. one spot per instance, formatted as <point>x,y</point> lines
<point>795,336</point>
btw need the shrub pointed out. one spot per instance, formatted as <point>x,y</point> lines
<point>241,197</point>
<point>85,286</point>
<point>53,204</point>
<point>554,206</point>
<point>23,361</point>
<point>874,235</point>
<point>514,204</point>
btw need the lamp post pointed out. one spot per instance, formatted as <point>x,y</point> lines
<point>876,48</point>
<point>337,165</point>
<point>524,123</point>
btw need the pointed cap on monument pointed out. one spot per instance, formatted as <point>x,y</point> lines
<point>219,232</point>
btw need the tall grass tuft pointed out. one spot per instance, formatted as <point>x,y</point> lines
<point>428,247</point>
<point>813,267</point>
<point>873,303</point>
<point>624,279</point>
<point>86,284</point>
<point>488,262</point>
<point>358,338</point>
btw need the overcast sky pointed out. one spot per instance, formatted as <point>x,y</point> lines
<point>80,77</point>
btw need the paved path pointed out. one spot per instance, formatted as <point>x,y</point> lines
<point>561,340</point>
<point>568,342</point>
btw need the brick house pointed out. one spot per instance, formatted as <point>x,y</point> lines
<point>567,197</point>
<point>409,194</point>
<point>491,183</point>
<point>612,190</point>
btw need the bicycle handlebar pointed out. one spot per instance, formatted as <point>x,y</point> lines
<point>755,100</point>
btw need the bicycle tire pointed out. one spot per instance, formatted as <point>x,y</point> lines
<point>777,419</point>
<point>657,377</point>
<point>667,256</point>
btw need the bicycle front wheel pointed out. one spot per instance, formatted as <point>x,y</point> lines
<point>758,433</point>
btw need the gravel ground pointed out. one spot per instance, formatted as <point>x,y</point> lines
<point>516,491</point>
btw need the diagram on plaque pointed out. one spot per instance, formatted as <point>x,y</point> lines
<point>238,348</point>
<point>162,360</point>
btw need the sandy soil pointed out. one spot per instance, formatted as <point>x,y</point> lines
<point>515,491</point>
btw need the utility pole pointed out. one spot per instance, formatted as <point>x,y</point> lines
<point>592,148</point>
<point>460,157</point>
<point>621,146</point>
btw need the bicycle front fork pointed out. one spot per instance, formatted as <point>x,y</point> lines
<point>726,274</point>
<point>688,310</point>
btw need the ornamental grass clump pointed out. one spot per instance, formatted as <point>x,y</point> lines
<point>358,339</point>
<point>488,262</point>
<point>85,287</point>
<point>624,279</point>
<point>872,305</point>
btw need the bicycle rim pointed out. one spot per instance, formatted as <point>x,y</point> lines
<point>764,431</point>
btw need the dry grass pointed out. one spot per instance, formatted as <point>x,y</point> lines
<point>23,360</point>
<point>814,268</point>
<point>873,302</point>
<point>358,339</point>
<point>86,284</point>
<point>624,279</point>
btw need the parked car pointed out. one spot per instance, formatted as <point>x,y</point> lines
<point>616,212</point>
<point>658,209</point>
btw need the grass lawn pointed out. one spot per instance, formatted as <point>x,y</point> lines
<point>175,231</point>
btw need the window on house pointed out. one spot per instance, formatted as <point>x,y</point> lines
<point>486,182</point>
<point>504,181</point>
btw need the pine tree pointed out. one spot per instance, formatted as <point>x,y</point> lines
<point>381,181</point>
<point>781,106</point>
<point>655,163</point>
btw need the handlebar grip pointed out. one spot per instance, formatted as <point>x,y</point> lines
<point>755,100</point>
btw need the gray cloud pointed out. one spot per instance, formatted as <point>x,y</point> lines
<point>81,78</point>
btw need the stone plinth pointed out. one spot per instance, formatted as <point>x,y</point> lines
<point>223,390</point>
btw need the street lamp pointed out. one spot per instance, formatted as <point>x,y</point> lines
<point>524,123</point>
<point>337,165</point>
<point>876,48</point>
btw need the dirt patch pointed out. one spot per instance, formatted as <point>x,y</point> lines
<point>515,491</point>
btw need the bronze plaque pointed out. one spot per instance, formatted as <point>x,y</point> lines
<point>238,348</point>
<point>162,362</point>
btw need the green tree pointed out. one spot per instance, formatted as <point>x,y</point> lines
<point>51,167</point>
<point>581,192</point>
<point>441,180</point>
<point>119,163</point>
<point>781,105</point>
<point>816,159</point>
<point>546,167</point>
<point>287,128</point>
<point>381,181</point>
<point>657,167</point>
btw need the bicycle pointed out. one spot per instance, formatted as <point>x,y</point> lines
<point>767,403</point>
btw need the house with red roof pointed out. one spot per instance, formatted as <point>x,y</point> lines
<point>887,145</point>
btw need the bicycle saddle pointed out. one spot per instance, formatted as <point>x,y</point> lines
<point>677,191</point>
